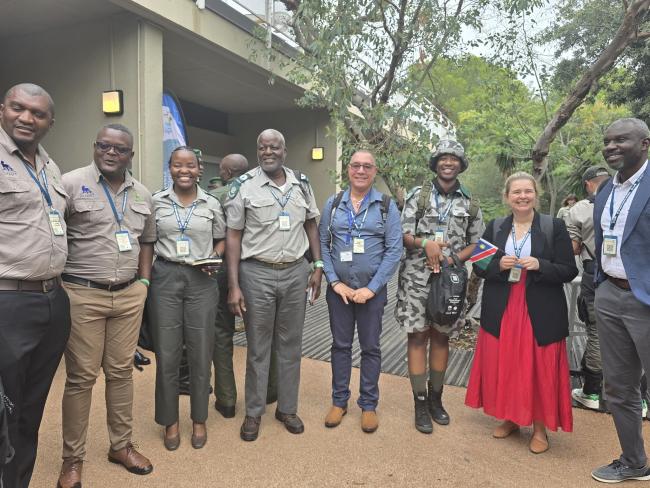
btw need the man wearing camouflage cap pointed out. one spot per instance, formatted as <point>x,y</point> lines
<point>439,219</point>
<point>580,224</point>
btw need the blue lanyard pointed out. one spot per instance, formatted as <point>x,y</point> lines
<point>183,225</point>
<point>44,188</point>
<point>614,218</point>
<point>118,217</point>
<point>514,242</point>
<point>284,198</point>
<point>352,220</point>
<point>442,216</point>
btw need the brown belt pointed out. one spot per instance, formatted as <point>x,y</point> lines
<point>620,283</point>
<point>277,265</point>
<point>44,286</point>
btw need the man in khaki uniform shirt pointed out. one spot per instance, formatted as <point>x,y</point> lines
<point>34,308</point>
<point>111,231</point>
<point>271,215</point>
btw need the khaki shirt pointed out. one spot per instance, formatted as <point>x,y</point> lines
<point>460,228</point>
<point>93,252</point>
<point>252,208</point>
<point>580,224</point>
<point>207,224</point>
<point>29,250</point>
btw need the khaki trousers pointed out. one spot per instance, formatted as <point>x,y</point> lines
<point>105,329</point>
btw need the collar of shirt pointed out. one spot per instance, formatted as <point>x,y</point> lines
<point>631,180</point>
<point>265,180</point>
<point>41,155</point>
<point>128,179</point>
<point>456,188</point>
<point>171,194</point>
<point>373,196</point>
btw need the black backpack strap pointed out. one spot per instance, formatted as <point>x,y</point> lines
<point>495,226</point>
<point>546,222</point>
<point>335,205</point>
<point>423,201</point>
<point>385,206</point>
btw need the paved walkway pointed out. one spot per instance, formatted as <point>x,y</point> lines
<point>461,454</point>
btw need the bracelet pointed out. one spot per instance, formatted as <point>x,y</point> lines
<point>145,281</point>
<point>319,264</point>
<point>334,283</point>
<point>423,244</point>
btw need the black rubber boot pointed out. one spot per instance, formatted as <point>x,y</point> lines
<point>422,418</point>
<point>437,411</point>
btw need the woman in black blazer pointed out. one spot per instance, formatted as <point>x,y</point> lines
<point>520,372</point>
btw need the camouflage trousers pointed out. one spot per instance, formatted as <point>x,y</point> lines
<point>411,310</point>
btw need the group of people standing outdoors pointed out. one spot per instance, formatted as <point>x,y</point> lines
<point>85,253</point>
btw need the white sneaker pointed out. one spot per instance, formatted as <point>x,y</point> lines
<point>591,401</point>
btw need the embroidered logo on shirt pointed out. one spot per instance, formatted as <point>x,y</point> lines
<point>7,169</point>
<point>86,192</point>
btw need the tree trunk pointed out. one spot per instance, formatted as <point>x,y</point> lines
<point>626,33</point>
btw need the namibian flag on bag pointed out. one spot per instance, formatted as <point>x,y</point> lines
<point>483,253</point>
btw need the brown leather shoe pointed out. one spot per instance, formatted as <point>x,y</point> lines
<point>70,476</point>
<point>132,460</point>
<point>334,416</point>
<point>250,428</point>
<point>369,421</point>
<point>198,441</point>
<point>291,422</point>
<point>505,429</point>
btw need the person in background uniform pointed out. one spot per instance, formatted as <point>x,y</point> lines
<point>215,182</point>
<point>446,227</point>
<point>622,228</point>
<point>34,308</point>
<point>520,372</point>
<point>190,225</point>
<point>271,215</point>
<point>231,167</point>
<point>361,245</point>
<point>111,231</point>
<point>567,203</point>
<point>580,224</point>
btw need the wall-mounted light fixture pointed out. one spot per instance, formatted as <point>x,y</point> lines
<point>113,102</point>
<point>317,153</point>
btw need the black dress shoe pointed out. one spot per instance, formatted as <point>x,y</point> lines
<point>140,359</point>
<point>227,412</point>
<point>291,421</point>
<point>250,428</point>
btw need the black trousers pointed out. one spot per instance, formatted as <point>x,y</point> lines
<point>34,329</point>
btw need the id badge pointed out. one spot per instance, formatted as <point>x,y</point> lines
<point>123,240</point>
<point>439,236</point>
<point>358,246</point>
<point>55,223</point>
<point>182,247</point>
<point>610,245</point>
<point>284,221</point>
<point>346,256</point>
<point>515,274</point>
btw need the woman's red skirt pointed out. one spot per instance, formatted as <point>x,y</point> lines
<point>513,378</point>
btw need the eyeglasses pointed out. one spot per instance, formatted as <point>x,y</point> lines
<point>105,147</point>
<point>357,167</point>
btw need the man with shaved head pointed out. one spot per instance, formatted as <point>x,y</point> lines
<point>622,228</point>
<point>34,308</point>
<point>271,215</point>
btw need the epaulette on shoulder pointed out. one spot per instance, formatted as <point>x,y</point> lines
<point>303,177</point>
<point>413,191</point>
<point>465,191</point>
<point>234,186</point>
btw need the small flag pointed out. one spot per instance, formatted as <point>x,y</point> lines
<point>483,253</point>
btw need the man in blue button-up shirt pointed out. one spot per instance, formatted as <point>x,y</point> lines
<point>361,245</point>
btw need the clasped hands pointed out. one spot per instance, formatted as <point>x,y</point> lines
<point>529,262</point>
<point>360,295</point>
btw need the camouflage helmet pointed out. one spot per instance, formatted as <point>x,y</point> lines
<point>447,146</point>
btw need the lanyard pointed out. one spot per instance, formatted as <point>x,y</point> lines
<point>614,217</point>
<point>352,219</point>
<point>514,242</point>
<point>118,217</point>
<point>442,216</point>
<point>44,189</point>
<point>183,225</point>
<point>284,199</point>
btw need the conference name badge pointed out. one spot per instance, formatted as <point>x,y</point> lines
<point>439,236</point>
<point>55,223</point>
<point>182,247</point>
<point>610,245</point>
<point>123,240</point>
<point>515,274</point>
<point>358,246</point>
<point>284,221</point>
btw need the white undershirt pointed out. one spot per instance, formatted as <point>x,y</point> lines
<point>613,265</point>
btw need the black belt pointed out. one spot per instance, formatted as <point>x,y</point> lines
<point>93,284</point>
<point>160,258</point>
<point>277,265</point>
<point>43,286</point>
<point>620,283</point>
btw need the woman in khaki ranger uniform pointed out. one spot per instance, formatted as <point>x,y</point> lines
<point>183,298</point>
<point>445,222</point>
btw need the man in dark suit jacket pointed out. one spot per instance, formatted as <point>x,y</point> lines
<point>622,228</point>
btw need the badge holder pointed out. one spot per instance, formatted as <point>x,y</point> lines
<point>439,236</point>
<point>515,274</point>
<point>358,245</point>
<point>182,247</point>
<point>346,256</point>
<point>284,221</point>
<point>55,223</point>
<point>610,245</point>
<point>123,240</point>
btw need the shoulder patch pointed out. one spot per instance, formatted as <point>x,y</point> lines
<point>413,192</point>
<point>303,177</point>
<point>234,186</point>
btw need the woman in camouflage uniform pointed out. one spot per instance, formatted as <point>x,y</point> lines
<point>442,210</point>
